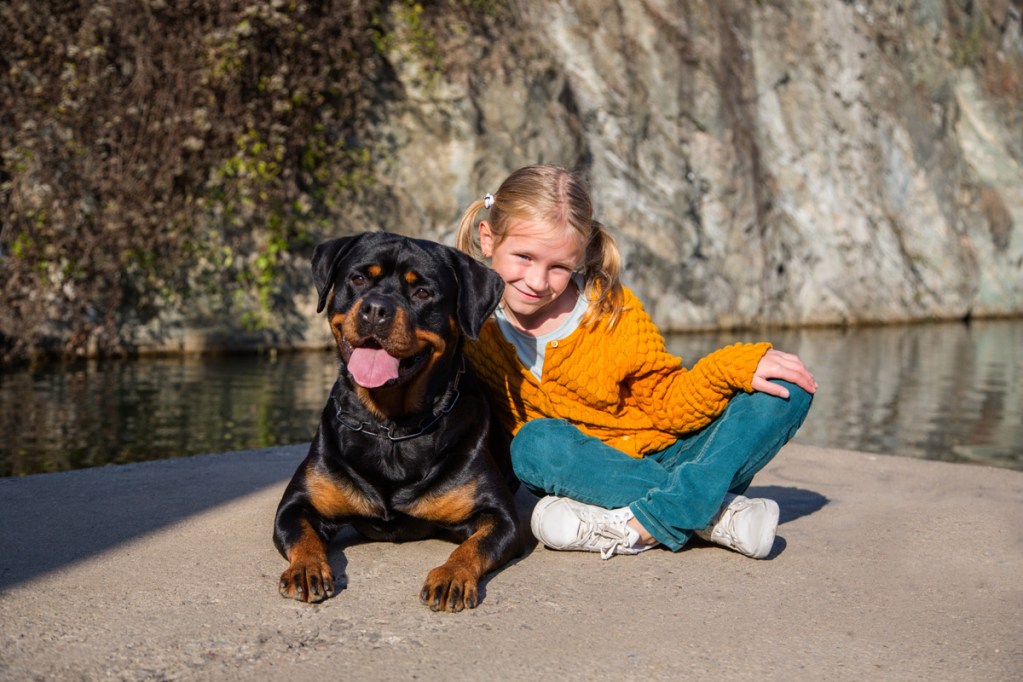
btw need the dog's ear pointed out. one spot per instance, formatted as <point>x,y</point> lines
<point>326,259</point>
<point>479,291</point>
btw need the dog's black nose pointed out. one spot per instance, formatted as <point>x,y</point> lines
<point>376,311</point>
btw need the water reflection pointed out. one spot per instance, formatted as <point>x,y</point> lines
<point>96,413</point>
<point>947,392</point>
<point>944,391</point>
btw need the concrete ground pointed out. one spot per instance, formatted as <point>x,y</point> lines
<point>885,568</point>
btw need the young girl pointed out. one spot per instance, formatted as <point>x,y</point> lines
<point>627,447</point>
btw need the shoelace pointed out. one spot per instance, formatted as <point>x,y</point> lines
<point>722,525</point>
<point>601,536</point>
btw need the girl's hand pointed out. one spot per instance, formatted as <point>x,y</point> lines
<point>785,366</point>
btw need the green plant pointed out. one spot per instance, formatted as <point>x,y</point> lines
<point>159,154</point>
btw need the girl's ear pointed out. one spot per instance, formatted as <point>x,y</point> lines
<point>486,239</point>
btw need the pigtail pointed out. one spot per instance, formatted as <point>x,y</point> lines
<point>602,270</point>
<point>466,239</point>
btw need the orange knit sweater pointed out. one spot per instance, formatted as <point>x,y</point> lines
<point>618,385</point>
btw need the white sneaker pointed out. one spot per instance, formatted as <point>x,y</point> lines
<point>563,523</point>
<point>745,525</point>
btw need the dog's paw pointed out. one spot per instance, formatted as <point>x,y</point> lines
<point>307,581</point>
<point>450,587</point>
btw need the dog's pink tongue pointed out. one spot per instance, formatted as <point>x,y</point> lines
<point>372,367</point>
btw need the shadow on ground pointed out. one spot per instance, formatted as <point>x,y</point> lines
<point>53,520</point>
<point>794,503</point>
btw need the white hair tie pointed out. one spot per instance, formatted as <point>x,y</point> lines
<point>488,200</point>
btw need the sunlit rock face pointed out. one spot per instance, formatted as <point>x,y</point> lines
<point>773,162</point>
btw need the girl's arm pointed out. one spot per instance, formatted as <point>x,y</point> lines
<point>680,400</point>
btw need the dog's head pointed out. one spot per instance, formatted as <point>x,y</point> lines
<point>398,308</point>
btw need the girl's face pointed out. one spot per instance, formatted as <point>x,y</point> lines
<point>536,264</point>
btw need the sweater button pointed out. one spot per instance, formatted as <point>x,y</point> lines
<point>554,344</point>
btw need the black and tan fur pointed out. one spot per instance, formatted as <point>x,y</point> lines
<point>416,457</point>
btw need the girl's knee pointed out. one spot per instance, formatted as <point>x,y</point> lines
<point>799,401</point>
<point>789,413</point>
<point>530,437</point>
<point>796,405</point>
<point>795,392</point>
<point>531,447</point>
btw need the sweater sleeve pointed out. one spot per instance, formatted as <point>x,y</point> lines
<point>679,400</point>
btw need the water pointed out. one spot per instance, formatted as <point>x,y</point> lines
<point>111,412</point>
<point>949,392</point>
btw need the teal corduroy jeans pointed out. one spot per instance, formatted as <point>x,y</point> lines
<point>672,492</point>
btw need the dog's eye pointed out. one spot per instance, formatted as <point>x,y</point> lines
<point>357,280</point>
<point>422,294</point>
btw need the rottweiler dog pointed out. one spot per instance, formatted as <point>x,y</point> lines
<point>404,448</point>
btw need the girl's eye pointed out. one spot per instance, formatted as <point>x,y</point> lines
<point>422,294</point>
<point>358,280</point>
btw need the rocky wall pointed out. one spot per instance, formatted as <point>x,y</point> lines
<point>761,163</point>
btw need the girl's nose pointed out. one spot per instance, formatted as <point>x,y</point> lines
<point>536,279</point>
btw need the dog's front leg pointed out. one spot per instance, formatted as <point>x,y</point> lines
<point>454,585</point>
<point>308,577</point>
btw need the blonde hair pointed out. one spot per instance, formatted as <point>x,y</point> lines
<point>558,198</point>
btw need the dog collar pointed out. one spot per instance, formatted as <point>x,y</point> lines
<point>447,404</point>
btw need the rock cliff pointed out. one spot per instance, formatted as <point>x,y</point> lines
<point>790,163</point>
<point>777,162</point>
